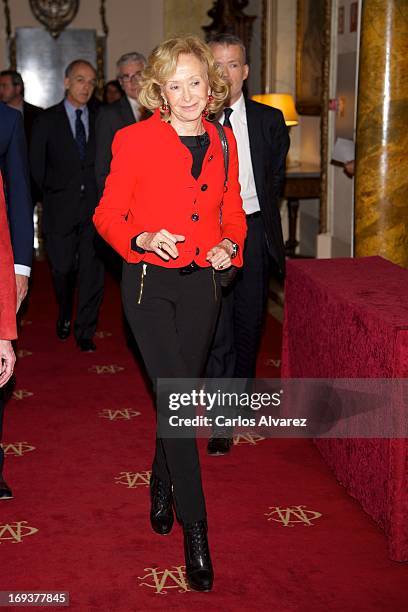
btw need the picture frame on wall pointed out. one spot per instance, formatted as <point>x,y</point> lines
<point>309,55</point>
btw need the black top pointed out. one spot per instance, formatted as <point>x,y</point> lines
<point>198,146</point>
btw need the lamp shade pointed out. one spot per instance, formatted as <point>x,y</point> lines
<point>284,102</point>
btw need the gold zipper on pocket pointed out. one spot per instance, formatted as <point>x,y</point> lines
<point>144,268</point>
<point>215,285</point>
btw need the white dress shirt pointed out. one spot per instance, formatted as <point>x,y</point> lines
<point>72,117</point>
<point>134,105</point>
<point>238,121</point>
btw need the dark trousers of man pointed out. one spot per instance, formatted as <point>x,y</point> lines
<point>172,317</point>
<point>239,327</point>
<point>236,342</point>
<point>73,258</point>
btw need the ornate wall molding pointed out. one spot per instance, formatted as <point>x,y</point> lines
<point>11,41</point>
<point>55,15</point>
<point>324,116</point>
<point>101,50</point>
<point>228,16</point>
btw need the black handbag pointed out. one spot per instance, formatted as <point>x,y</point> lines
<point>226,276</point>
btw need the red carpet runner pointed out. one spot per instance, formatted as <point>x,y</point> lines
<point>79,437</point>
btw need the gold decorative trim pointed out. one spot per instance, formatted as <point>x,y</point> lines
<point>55,15</point>
<point>101,50</point>
<point>324,117</point>
<point>102,12</point>
<point>11,41</point>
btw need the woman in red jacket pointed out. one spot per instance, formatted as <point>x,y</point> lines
<point>161,211</point>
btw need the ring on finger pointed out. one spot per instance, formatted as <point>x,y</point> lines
<point>159,245</point>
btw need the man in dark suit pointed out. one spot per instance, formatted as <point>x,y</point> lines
<point>263,142</point>
<point>120,114</point>
<point>12,94</point>
<point>14,169</point>
<point>62,156</point>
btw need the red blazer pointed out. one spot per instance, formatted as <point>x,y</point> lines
<point>150,187</point>
<point>8,329</point>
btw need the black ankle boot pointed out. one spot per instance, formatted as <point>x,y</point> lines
<point>161,513</point>
<point>199,570</point>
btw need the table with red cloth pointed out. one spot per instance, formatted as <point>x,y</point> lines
<point>348,318</point>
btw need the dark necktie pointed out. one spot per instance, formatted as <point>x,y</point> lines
<point>227,115</point>
<point>80,134</point>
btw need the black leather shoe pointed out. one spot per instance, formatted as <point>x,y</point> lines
<point>219,446</point>
<point>199,570</point>
<point>161,512</point>
<point>63,329</point>
<point>87,345</point>
<point>5,491</point>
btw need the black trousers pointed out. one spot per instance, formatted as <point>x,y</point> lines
<point>73,259</point>
<point>2,403</point>
<point>235,346</point>
<point>172,317</point>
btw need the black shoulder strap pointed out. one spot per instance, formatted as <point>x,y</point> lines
<point>225,150</point>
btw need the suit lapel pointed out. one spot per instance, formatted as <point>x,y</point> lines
<point>126,111</point>
<point>90,144</point>
<point>255,140</point>
<point>66,132</point>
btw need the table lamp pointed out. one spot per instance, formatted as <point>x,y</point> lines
<point>286,104</point>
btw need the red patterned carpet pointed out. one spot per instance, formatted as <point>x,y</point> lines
<point>79,436</point>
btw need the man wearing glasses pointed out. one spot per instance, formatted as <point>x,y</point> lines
<point>62,157</point>
<point>120,114</point>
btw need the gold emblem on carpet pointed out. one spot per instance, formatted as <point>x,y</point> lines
<point>16,449</point>
<point>20,394</point>
<point>131,480</point>
<point>15,532</point>
<point>106,369</point>
<point>23,353</point>
<point>25,322</point>
<point>248,438</point>
<point>103,334</point>
<point>291,515</point>
<point>164,580</point>
<point>274,363</point>
<point>116,415</point>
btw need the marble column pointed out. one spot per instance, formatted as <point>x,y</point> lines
<point>381,187</point>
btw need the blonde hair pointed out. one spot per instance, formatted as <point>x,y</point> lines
<point>162,63</point>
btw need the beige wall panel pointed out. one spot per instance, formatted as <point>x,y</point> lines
<point>183,17</point>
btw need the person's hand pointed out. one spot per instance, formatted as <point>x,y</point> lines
<point>7,361</point>
<point>163,243</point>
<point>22,288</point>
<point>220,255</point>
<point>349,168</point>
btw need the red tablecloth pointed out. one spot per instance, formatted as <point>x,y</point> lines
<point>349,318</point>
